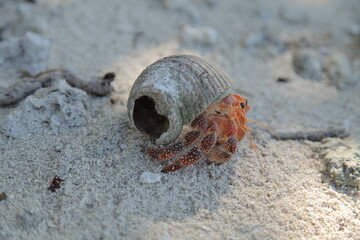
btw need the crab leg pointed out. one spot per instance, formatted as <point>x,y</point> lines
<point>200,123</point>
<point>189,158</point>
<point>231,144</point>
<point>223,151</point>
<point>208,142</point>
<point>166,153</point>
<point>191,137</point>
<point>195,153</point>
<point>171,151</point>
<point>218,155</point>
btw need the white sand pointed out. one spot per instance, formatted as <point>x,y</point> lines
<point>102,196</point>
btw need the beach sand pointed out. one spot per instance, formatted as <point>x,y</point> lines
<point>101,162</point>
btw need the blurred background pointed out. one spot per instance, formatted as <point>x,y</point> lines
<point>296,61</point>
<point>294,54</point>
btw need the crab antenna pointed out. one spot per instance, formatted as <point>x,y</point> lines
<point>253,146</point>
<point>270,129</point>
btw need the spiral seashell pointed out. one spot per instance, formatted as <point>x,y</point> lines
<point>171,92</point>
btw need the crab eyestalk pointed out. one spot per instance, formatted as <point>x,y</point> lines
<point>171,92</point>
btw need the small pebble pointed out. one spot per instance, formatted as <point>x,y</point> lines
<point>115,99</point>
<point>354,30</point>
<point>123,146</point>
<point>58,147</point>
<point>149,177</point>
<point>307,64</point>
<point>3,196</point>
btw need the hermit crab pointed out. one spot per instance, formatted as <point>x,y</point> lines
<point>178,90</point>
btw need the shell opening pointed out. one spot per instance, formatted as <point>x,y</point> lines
<point>147,119</point>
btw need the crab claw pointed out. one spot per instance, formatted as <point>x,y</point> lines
<point>218,155</point>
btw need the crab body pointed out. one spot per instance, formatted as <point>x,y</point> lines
<point>215,133</point>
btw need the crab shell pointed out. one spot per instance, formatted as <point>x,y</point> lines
<point>171,92</point>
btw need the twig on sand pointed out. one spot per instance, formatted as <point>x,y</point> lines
<point>313,135</point>
<point>55,184</point>
<point>99,86</point>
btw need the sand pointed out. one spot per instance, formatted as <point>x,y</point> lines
<point>102,196</point>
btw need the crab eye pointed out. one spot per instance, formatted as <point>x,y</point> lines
<point>242,105</point>
<point>246,103</point>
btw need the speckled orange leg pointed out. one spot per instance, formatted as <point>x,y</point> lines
<point>195,153</point>
<point>171,151</point>
<point>200,122</point>
<point>166,153</point>
<point>191,137</point>
<point>208,142</point>
<point>189,158</point>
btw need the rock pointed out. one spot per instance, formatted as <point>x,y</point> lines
<point>265,13</point>
<point>331,65</point>
<point>9,49</point>
<point>149,177</point>
<point>184,7</point>
<point>338,70</point>
<point>293,15</point>
<point>174,4</point>
<point>49,110</point>
<point>265,42</point>
<point>342,161</point>
<point>211,3</point>
<point>354,30</point>
<point>307,64</point>
<point>199,35</point>
<point>123,146</point>
<point>257,39</point>
<point>28,53</point>
<point>24,17</point>
<point>58,147</point>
